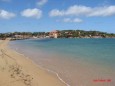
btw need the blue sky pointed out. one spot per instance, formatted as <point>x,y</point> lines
<point>48,15</point>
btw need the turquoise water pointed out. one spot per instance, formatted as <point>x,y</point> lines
<point>71,57</point>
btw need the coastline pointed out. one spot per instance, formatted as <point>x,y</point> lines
<point>88,69</point>
<point>46,69</point>
<point>17,70</point>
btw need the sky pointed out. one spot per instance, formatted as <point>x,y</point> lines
<point>48,15</point>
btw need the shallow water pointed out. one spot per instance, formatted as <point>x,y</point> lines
<point>77,61</point>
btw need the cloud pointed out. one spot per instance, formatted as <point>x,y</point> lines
<point>75,20</point>
<point>42,2</point>
<point>6,15</point>
<point>78,10</point>
<point>66,20</point>
<point>103,11</point>
<point>5,0</point>
<point>56,12</point>
<point>33,13</point>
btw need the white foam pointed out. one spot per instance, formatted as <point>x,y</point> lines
<point>44,68</point>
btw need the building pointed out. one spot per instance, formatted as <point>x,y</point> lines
<point>18,36</point>
<point>54,34</point>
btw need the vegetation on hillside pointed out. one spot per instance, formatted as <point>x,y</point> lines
<point>62,34</point>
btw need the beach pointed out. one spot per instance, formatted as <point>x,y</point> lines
<point>17,70</point>
<point>77,62</point>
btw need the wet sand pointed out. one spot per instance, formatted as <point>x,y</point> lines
<point>18,70</point>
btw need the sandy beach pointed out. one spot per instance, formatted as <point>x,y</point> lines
<point>17,70</point>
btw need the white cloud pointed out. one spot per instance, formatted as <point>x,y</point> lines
<point>34,13</point>
<point>6,15</point>
<point>56,12</point>
<point>42,2</point>
<point>103,11</point>
<point>66,20</point>
<point>5,0</point>
<point>76,20</point>
<point>78,10</point>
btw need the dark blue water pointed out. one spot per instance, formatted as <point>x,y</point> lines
<point>95,52</point>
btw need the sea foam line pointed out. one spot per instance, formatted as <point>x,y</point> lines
<point>16,50</point>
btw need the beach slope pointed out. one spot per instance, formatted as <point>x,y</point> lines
<point>17,70</point>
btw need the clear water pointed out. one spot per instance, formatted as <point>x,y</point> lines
<point>77,61</point>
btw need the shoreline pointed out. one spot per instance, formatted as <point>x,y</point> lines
<point>69,69</point>
<point>55,73</point>
<point>46,69</point>
<point>39,75</point>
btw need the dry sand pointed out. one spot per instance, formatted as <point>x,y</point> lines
<point>17,70</point>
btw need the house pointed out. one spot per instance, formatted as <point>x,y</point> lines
<point>54,34</point>
<point>18,36</point>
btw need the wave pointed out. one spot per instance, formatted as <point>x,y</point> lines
<point>49,70</point>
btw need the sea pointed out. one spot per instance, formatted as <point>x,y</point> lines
<point>75,61</point>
